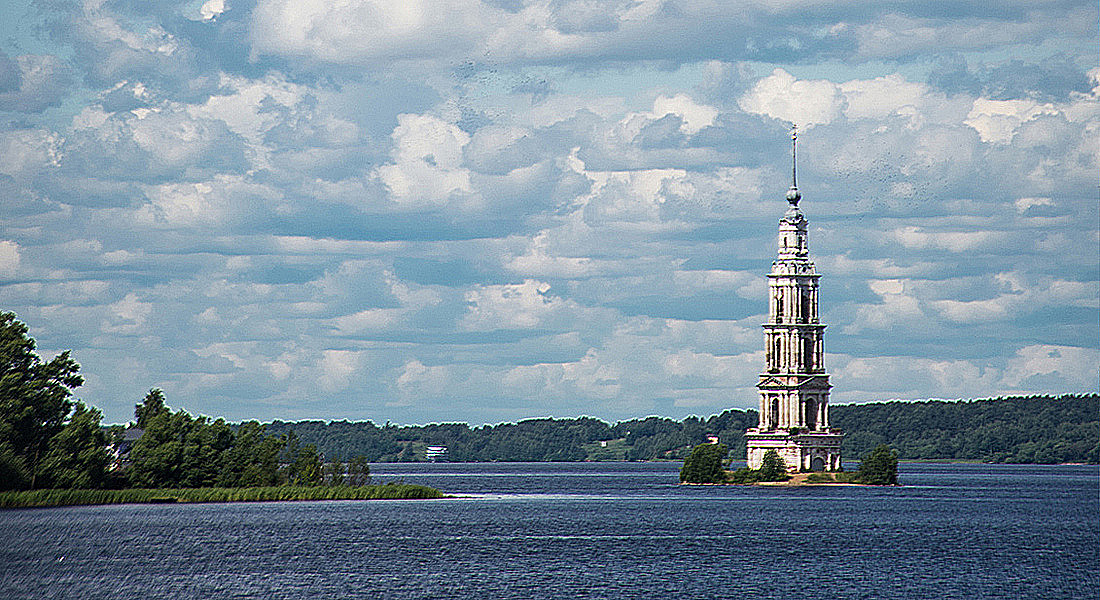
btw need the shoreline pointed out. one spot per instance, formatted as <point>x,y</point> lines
<point>59,497</point>
<point>796,480</point>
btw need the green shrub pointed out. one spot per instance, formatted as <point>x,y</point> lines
<point>744,475</point>
<point>705,464</point>
<point>819,478</point>
<point>772,468</point>
<point>879,467</point>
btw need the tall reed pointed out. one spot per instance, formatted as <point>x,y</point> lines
<point>43,498</point>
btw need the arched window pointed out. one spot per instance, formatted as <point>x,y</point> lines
<point>811,413</point>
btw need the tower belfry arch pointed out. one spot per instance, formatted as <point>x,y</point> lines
<point>794,387</point>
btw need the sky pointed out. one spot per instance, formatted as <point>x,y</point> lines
<point>483,211</point>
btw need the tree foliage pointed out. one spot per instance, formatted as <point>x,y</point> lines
<point>879,467</point>
<point>150,408</point>
<point>358,472</point>
<point>1016,429</point>
<point>704,465</point>
<point>77,456</point>
<point>772,468</point>
<point>177,450</point>
<point>253,459</point>
<point>46,439</point>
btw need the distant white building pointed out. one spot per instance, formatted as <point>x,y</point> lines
<point>436,453</point>
<point>794,390</point>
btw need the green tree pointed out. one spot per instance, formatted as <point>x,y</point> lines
<point>176,449</point>
<point>335,472</point>
<point>772,468</point>
<point>158,456</point>
<point>705,464</point>
<point>203,451</point>
<point>306,467</point>
<point>14,474</point>
<point>253,460</point>
<point>77,456</point>
<point>34,402</point>
<point>1027,429</point>
<point>879,467</point>
<point>358,471</point>
<point>151,407</point>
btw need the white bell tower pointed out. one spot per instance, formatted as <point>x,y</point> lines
<point>794,389</point>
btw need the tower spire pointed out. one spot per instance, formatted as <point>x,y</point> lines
<point>794,162</point>
<point>793,195</point>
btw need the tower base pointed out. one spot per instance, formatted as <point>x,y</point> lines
<point>803,451</point>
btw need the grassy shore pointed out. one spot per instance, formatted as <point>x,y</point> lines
<point>43,498</point>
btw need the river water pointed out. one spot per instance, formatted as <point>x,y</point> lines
<point>585,530</point>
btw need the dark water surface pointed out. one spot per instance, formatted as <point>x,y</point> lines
<point>596,530</point>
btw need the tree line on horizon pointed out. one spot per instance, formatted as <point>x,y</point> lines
<point>1040,429</point>
<point>50,440</point>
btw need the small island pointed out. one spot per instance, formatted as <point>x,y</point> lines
<point>706,465</point>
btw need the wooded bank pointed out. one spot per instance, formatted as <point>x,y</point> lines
<point>1032,429</point>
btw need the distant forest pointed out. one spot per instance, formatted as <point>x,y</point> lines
<point>1032,429</point>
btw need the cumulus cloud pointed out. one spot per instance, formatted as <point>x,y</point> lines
<point>368,30</point>
<point>127,316</point>
<point>802,102</point>
<point>1017,296</point>
<point>1046,367</point>
<point>153,145</point>
<point>427,162</point>
<point>1032,369</point>
<point>9,258</point>
<point>211,9</point>
<point>26,152</point>
<point>418,381</point>
<point>953,241</point>
<point>527,305</point>
<point>998,120</point>
<point>541,260</point>
<point>31,83</point>
<point>491,210</point>
<point>693,116</point>
<point>337,367</point>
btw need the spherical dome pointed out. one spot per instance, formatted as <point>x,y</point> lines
<point>793,195</point>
